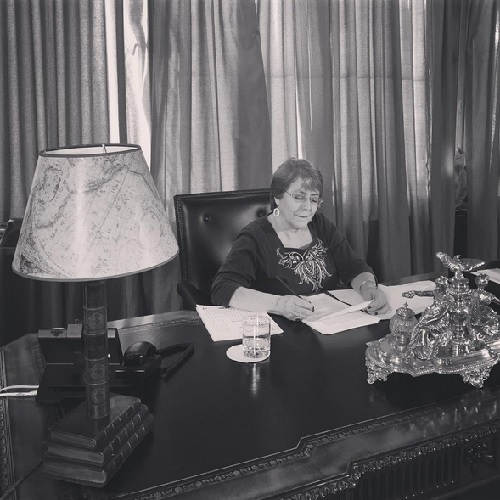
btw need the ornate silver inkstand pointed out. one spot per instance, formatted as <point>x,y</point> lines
<point>459,333</point>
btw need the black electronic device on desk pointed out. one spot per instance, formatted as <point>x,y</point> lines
<point>65,345</point>
<point>144,358</point>
<point>63,377</point>
<point>64,371</point>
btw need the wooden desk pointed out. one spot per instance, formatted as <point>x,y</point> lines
<point>303,424</point>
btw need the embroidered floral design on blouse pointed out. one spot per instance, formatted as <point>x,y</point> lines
<point>310,266</point>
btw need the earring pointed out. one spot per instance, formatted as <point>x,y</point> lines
<point>276,212</point>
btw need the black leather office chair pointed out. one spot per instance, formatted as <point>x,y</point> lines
<point>207,224</point>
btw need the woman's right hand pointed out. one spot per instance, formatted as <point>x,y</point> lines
<point>294,308</point>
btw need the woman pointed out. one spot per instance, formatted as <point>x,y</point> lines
<point>295,249</point>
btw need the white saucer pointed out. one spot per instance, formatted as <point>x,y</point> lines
<point>236,354</point>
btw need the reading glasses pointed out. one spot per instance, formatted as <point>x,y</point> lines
<point>302,198</point>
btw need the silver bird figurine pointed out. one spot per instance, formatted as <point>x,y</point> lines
<point>458,265</point>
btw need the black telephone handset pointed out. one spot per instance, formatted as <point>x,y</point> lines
<point>143,357</point>
<point>139,353</point>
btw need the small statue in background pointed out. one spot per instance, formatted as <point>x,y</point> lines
<point>431,332</point>
<point>484,321</point>
<point>481,295</point>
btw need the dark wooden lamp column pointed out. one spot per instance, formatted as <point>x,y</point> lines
<point>94,213</point>
<point>96,349</point>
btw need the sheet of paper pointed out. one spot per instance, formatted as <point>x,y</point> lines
<point>396,300</point>
<point>324,306</point>
<point>493,274</point>
<point>348,295</point>
<point>329,325</point>
<point>224,323</point>
<point>332,316</point>
<point>394,296</point>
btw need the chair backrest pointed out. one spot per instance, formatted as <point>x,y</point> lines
<point>9,233</point>
<point>207,224</point>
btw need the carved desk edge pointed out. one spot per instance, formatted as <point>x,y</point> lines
<point>474,439</point>
<point>345,480</point>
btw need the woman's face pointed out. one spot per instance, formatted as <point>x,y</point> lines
<point>298,205</point>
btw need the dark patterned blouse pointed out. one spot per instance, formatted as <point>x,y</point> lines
<point>258,257</point>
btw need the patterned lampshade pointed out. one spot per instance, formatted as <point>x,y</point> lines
<point>93,213</point>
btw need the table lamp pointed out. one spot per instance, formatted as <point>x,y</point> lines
<point>94,213</point>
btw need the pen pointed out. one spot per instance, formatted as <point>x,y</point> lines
<point>326,292</point>
<point>292,290</point>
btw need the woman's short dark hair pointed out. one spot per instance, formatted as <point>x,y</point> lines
<point>288,172</point>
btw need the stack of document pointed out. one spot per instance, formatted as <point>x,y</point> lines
<point>333,316</point>
<point>225,323</point>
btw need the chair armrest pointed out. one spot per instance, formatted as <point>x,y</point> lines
<point>191,296</point>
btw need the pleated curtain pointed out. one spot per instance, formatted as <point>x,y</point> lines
<point>388,98</point>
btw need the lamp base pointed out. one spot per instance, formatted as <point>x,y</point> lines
<point>89,451</point>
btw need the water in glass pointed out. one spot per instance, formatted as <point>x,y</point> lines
<point>256,337</point>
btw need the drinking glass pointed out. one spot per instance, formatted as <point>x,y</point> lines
<point>256,337</point>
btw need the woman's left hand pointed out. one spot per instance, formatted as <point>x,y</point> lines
<point>379,304</point>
